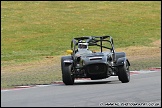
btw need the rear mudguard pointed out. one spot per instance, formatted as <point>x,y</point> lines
<point>121,61</point>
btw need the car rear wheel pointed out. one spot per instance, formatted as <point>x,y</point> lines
<point>67,77</point>
<point>124,73</point>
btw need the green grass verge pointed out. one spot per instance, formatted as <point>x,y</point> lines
<point>145,63</point>
<point>31,30</point>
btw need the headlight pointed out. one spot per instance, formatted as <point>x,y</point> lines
<point>78,59</point>
<point>109,58</point>
<point>83,63</point>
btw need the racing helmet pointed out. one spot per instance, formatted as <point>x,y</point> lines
<point>83,46</point>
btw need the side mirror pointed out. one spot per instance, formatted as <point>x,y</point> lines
<point>69,51</point>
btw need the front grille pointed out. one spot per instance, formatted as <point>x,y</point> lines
<point>96,68</point>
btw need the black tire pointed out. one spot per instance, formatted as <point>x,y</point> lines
<point>67,78</point>
<point>124,73</point>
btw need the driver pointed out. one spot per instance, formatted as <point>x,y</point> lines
<point>83,48</point>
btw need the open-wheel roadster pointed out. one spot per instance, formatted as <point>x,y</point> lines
<point>98,63</point>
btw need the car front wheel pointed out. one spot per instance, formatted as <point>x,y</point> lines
<point>67,78</point>
<point>124,73</point>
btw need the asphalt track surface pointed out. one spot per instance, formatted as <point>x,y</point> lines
<point>143,90</point>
